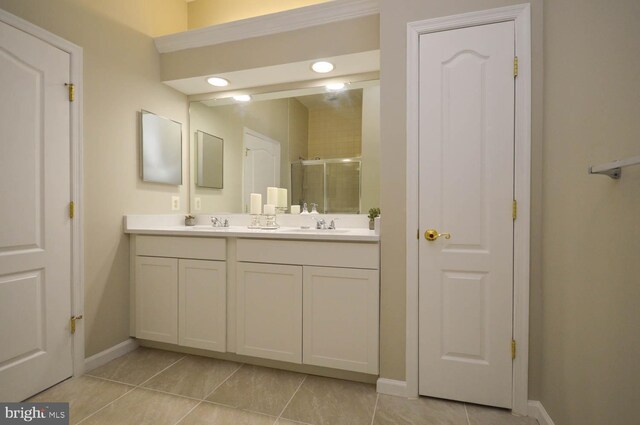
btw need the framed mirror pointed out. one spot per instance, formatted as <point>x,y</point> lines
<point>161,148</point>
<point>209,160</point>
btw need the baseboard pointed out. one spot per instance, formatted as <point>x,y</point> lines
<point>109,354</point>
<point>537,411</point>
<point>391,387</point>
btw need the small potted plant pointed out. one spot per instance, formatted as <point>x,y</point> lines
<point>373,213</point>
<point>189,220</point>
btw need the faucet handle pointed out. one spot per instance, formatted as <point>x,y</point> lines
<point>332,226</point>
<point>226,222</point>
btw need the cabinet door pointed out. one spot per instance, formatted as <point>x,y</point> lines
<point>203,304</point>
<point>269,311</point>
<point>341,318</point>
<point>157,299</point>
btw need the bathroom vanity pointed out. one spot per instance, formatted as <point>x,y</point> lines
<point>301,296</point>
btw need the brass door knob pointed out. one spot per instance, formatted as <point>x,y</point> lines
<point>432,235</point>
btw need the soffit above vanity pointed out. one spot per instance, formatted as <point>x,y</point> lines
<point>274,49</point>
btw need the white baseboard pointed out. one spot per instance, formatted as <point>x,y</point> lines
<point>109,354</point>
<point>392,387</point>
<point>537,411</point>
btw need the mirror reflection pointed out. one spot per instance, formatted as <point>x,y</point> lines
<point>208,159</point>
<point>322,146</point>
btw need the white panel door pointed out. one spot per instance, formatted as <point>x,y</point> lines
<point>157,299</point>
<point>269,311</point>
<point>466,189</point>
<point>261,165</point>
<point>202,308</point>
<point>340,316</point>
<point>35,228</point>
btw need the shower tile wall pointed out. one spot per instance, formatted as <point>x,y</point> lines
<point>335,133</point>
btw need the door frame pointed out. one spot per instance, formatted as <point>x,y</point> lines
<point>521,16</point>
<point>75,155</point>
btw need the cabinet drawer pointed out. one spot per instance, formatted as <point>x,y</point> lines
<point>328,254</point>
<point>182,247</point>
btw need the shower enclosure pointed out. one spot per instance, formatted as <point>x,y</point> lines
<point>333,184</point>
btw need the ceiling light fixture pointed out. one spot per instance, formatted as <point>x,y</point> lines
<point>218,81</point>
<point>242,98</point>
<point>335,86</point>
<point>322,67</point>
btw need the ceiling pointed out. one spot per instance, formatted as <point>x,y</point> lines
<point>345,65</point>
<point>332,99</point>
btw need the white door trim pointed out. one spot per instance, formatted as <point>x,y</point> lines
<point>520,14</point>
<point>77,246</point>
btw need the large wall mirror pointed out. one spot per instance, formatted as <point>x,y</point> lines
<point>322,145</point>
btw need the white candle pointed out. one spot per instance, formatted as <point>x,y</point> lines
<point>282,198</point>
<point>269,209</point>
<point>256,203</point>
<point>272,196</point>
<point>295,209</point>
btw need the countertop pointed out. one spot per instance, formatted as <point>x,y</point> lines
<point>139,226</point>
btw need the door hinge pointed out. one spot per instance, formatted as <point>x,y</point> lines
<point>513,349</point>
<point>72,91</point>
<point>418,234</point>
<point>246,151</point>
<point>72,209</point>
<point>515,67</point>
<point>72,323</point>
<point>515,209</point>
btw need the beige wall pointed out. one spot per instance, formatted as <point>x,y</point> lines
<point>298,130</point>
<point>370,172</point>
<point>267,117</point>
<point>335,132</point>
<point>121,76</point>
<point>393,34</point>
<point>339,38</point>
<point>591,235</point>
<point>203,13</point>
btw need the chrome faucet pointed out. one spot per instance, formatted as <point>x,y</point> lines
<point>321,224</point>
<point>216,222</point>
<point>332,226</point>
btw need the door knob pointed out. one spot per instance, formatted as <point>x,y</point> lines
<point>432,235</point>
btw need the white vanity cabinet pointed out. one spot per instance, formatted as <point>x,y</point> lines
<point>310,302</point>
<point>179,288</point>
<point>341,318</point>
<point>269,311</point>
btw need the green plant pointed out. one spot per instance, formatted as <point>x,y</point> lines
<point>189,217</point>
<point>373,213</point>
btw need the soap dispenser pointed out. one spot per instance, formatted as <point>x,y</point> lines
<point>304,209</point>
<point>314,209</point>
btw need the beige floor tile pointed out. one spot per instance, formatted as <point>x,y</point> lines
<point>136,367</point>
<point>326,401</point>
<point>143,407</point>
<point>85,395</point>
<point>193,376</point>
<point>424,411</point>
<point>481,415</point>
<point>258,389</point>
<point>212,414</point>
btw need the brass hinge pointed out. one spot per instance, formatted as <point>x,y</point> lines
<point>418,234</point>
<point>513,349</point>
<point>246,151</point>
<point>515,209</point>
<point>72,91</point>
<point>515,66</point>
<point>72,323</point>
<point>72,209</point>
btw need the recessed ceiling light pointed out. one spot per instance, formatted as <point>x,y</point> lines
<point>322,67</point>
<point>335,86</point>
<point>242,98</point>
<point>217,81</point>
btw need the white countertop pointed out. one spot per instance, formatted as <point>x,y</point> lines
<point>167,225</point>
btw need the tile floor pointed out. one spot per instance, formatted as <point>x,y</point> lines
<point>159,387</point>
